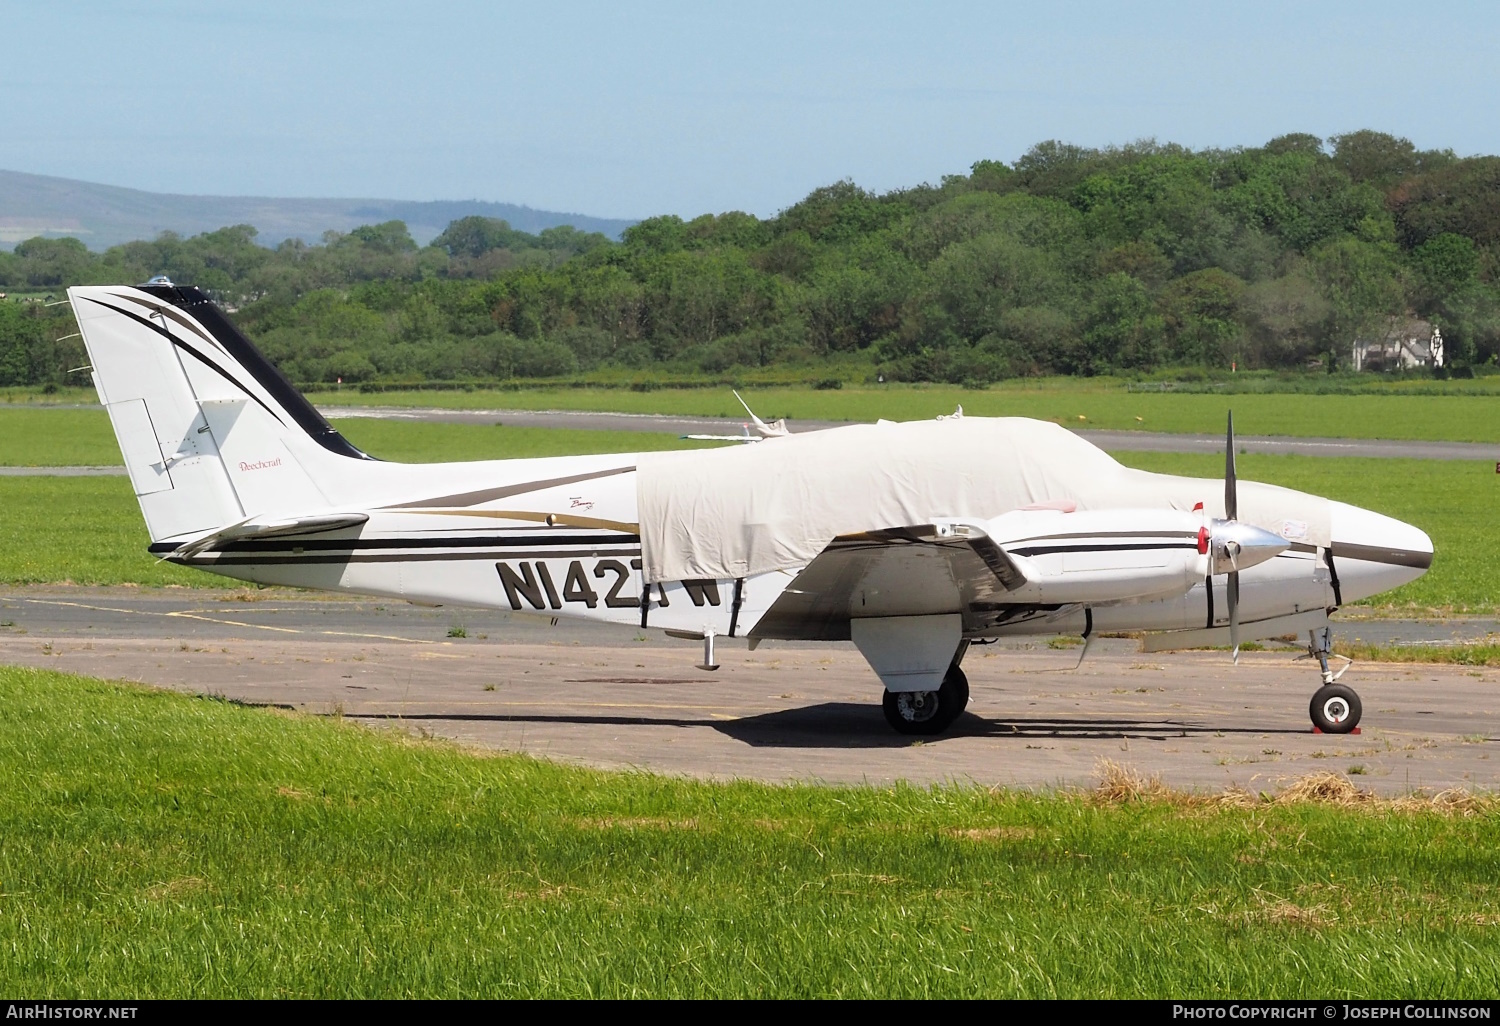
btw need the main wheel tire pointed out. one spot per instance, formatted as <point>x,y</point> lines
<point>1335,709</point>
<point>928,712</point>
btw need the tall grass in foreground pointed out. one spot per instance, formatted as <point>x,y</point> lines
<point>154,844</point>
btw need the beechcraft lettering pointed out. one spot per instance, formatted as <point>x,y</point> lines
<point>913,541</point>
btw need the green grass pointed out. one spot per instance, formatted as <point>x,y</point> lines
<point>72,438</point>
<point>1449,417</point>
<point>159,845</point>
<point>89,530</point>
<point>81,530</point>
<point>1482,654</point>
<point>37,437</point>
<point>425,442</point>
<point>57,438</point>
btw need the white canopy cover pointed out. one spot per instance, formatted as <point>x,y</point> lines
<point>775,505</point>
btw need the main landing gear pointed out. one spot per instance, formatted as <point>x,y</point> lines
<point>1335,708</point>
<point>928,712</point>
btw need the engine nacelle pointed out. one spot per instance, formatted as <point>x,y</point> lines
<point>1100,556</point>
<point>1121,555</point>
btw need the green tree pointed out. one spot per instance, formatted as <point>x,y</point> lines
<point>1374,157</point>
<point>1122,328</point>
<point>974,282</point>
<point>1201,311</point>
<point>1362,283</point>
<point>1462,198</point>
<point>475,236</point>
<point>1295,142</point>
<point>21,335</point>
<point>386,237</point>
<point>1444,264</point>
<point>1285,319</point>
<point>52,262</point>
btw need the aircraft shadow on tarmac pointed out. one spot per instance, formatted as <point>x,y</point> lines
<point>857,725</point>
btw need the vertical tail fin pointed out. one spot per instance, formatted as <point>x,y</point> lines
<point>210,431</point>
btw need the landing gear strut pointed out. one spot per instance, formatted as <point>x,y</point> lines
<point>1335,708</point>
<point>928,712</point>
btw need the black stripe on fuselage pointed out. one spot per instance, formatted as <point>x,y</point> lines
<point>1381,554</point>
<point>300,559</point>
<point>286,542</point>
<point>1060,536</point>
<point>1047,550</point>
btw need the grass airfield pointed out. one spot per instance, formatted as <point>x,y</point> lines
<point>169,845</point>
<point>1457,411</point>
<point>1454,417</point>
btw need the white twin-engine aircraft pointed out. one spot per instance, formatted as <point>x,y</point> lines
<point>914,540</point>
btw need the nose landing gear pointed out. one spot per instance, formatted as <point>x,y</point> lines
<point>1335,708</point>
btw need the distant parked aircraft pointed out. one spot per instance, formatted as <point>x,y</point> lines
<point>778,429</point>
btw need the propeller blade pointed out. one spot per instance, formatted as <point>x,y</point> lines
<point>1232,593</point>
<point>1231,482</point>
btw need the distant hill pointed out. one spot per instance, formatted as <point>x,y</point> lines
<point>105,215</point>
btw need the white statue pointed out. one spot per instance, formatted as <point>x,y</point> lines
<point>1436,347</point>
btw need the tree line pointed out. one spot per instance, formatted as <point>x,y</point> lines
<point>1070,260</point>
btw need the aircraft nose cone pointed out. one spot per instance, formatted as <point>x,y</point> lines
<point>1373,553</point>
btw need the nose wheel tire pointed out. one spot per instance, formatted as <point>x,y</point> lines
<point>928,712</point>
<point>1335,709</point>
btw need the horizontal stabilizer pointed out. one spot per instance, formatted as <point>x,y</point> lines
<point>257,528</point>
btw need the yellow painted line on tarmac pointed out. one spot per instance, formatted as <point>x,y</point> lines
<point>293,630</point>
<point>229,623</point>
<point>438,714</point>
<point>377,637</point>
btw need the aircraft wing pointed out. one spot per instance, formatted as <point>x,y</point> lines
<point>1028,564</point>
<point>903,571</point>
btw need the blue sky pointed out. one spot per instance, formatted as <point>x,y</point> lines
<point>628,110</point>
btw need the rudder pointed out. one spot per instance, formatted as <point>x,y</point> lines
<point>210,431</point>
